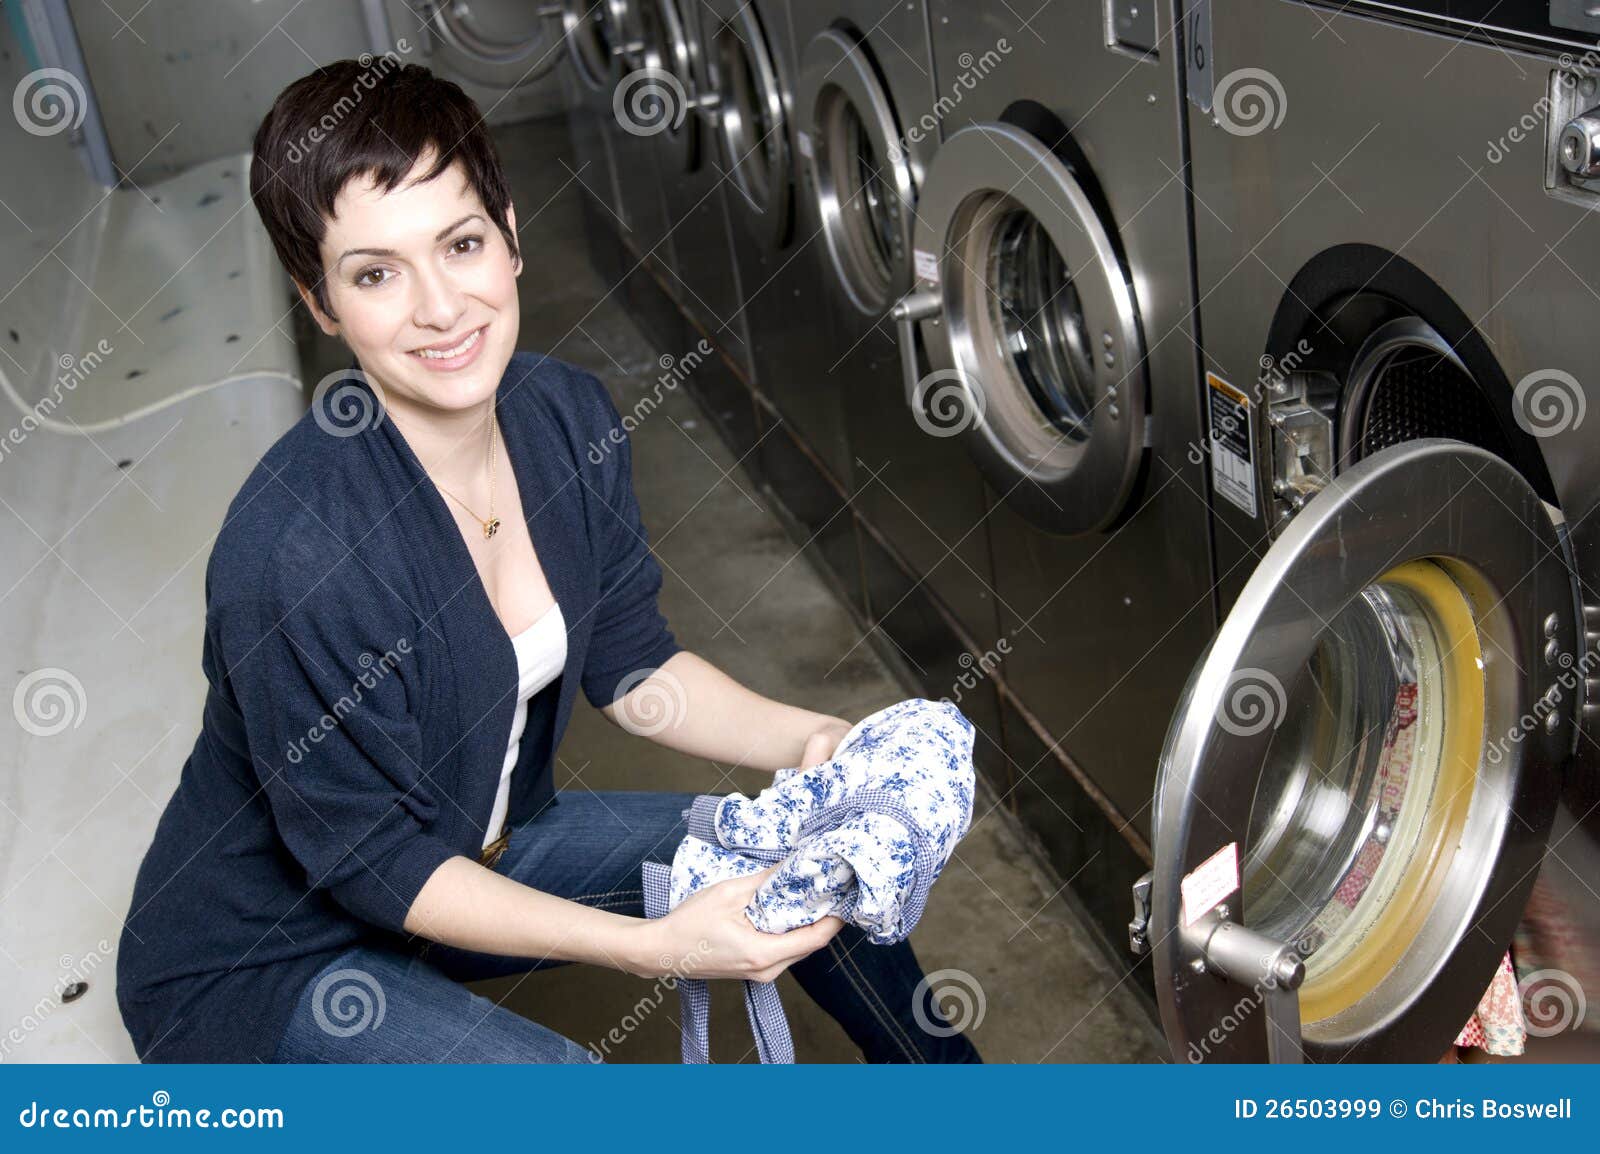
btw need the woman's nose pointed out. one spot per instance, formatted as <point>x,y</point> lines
<point>441,301</point>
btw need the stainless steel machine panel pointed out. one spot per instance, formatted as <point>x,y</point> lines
<point>640,106</point>
<point>866,112</point>
<point>699,246</point>
<point>1058,236</point>
<point>749,51</point>
<point>589,78</point>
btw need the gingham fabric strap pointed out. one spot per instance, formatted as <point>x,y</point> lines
<point>702,816</point>
<point>768,1023</point>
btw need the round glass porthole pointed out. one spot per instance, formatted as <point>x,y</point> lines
<point>750,126</point>
<point>1363,800</point>
<point>1021,321</point>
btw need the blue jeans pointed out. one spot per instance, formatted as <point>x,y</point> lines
<point>587,847</point>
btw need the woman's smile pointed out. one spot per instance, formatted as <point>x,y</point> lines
<point>447,357</point>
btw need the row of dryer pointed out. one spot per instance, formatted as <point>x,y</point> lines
<point>1218,373</point>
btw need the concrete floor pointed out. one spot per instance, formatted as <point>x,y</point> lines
<point>124,515</point>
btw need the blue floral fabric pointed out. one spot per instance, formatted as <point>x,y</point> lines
<point>862,836</point>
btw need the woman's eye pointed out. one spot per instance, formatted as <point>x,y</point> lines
<point>475,241</point>
<point>363,282</point>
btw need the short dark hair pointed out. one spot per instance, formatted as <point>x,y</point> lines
<point>351,118</point>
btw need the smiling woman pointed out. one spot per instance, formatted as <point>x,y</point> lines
<point>343,839</point>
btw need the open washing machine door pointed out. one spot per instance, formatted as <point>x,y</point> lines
<point>1030,326</point>
<point>1356,788</point>
<point>746,102</point>
<point>861,175</point>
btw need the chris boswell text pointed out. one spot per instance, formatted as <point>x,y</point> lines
<point>1424,1108</point>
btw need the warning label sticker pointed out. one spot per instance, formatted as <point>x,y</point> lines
<point>1233,471</point>
<point>1212,880</point>
<point>927,264</point>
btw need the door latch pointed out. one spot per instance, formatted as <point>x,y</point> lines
<point>1572,139</point>
<point>1139,928</point>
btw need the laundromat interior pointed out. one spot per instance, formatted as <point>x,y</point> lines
<point>1191,394</point>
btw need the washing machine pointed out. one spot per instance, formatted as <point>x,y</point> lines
<point>590,29</point>
<point>749,54</point>
<point>1386,760</point>
<point>1054,290</point>
<point>499,51</point>
<point>868,133</point>
<point>699,269</point>
<point>626,106</point>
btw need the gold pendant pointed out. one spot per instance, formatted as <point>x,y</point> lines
<point>491,526</point>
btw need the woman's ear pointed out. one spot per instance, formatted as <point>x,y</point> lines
<point>511,223</point>
<point>324,322</point>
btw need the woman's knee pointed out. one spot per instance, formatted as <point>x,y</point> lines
<point>372,1005</point>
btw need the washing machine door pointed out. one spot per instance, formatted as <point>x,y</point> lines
<point>860,174</point>
<point>594,31</point>
<point>667,82</point>
<point>752,121</point>
<point>1030,327</point>
<point>488,55</point>
<point>1356,788</point>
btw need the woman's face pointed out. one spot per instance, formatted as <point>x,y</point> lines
<point>421,267</point>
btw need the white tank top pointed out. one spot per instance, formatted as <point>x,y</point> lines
<point>541,656</point>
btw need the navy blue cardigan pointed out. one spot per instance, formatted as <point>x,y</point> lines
<point>361,696</point>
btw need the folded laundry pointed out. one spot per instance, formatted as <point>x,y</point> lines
<point>862,836</point>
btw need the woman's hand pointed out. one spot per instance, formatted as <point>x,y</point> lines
<point>708,935</point>
<point>820,745</point>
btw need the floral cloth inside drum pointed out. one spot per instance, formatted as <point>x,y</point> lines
<point>862,836</point>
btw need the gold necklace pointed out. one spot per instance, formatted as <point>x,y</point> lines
<point>492,525</point>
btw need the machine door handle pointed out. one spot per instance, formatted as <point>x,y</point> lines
<point>907,311</point>
<point>707,106</point>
